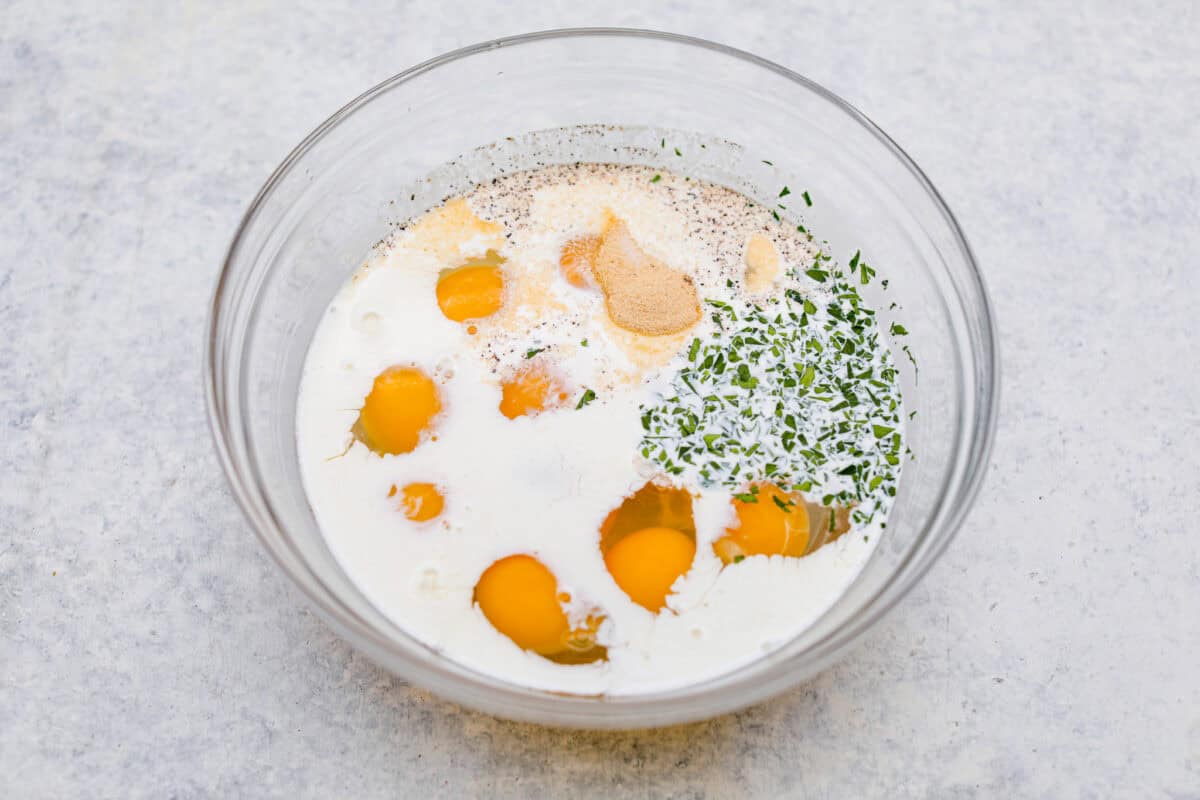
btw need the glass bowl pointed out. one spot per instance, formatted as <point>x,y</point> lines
<point>369,166</point>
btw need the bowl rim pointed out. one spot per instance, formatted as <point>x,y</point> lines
<point>979,438</point>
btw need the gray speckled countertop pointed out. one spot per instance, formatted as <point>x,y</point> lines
<point>148,647</point>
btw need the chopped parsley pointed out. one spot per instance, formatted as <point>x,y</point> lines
<point>587,397</point>
<point>807,199</point>
<point>800,390</point>
<point>533,352</point>
<point>656,179</point>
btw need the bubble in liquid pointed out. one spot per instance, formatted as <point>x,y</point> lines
<point>429,579</point>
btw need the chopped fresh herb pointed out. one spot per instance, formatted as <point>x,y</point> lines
<point>533,352</point>
<point>663,143</point>
<point>677,152</point>
<point>738,559</point>
<point>656,179</point>
<point>588,396</point>
<point>898,330</point>
<point>583,343</point>
<point>784,192</point>
<point>787,392</point>
<point>908,352</point>
<point>775,214</point>
<point>807,198</point>
<point>768,163</point>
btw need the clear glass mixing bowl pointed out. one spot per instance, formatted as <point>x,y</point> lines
<point>366,168</point>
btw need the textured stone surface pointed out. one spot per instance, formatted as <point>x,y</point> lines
<point>149,648</point>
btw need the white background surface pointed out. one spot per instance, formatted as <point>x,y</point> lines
<point>149,648</point>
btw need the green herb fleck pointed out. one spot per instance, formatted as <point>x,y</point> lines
<point>533,352</point>
<point>784,192</point>
<point>784,505</point>
<point>807,198</point>
<point>588,396</point>
<point>656,179</point>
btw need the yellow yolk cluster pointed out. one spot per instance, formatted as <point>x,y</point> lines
<point>776,524</point>
<point>530,391</point>
<point>421,502</point>
<point>519,596</point>
<point>398,410</point>
<point>473,290</point>
<point>648,542</point>
<point>647,562</point>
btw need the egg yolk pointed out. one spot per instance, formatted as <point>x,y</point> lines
<point>646,563</point>
<point>775,524</point>
<point>474,290</point>
<point>530,391</point>
<point>519,596</point>
<point>401,404</point>
<point>651,506</point>
<point>575,262</point>
<point>421,501</point>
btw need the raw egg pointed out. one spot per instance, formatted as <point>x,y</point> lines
<point>648,542</point>
<point>532,390</point>
<point>774,523</point>
<point>646,563</point>
<point>519,596</point>
<point>473,290</point>
<point>421,501</point>
<point>397,411</point>
<point>779,523</point>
